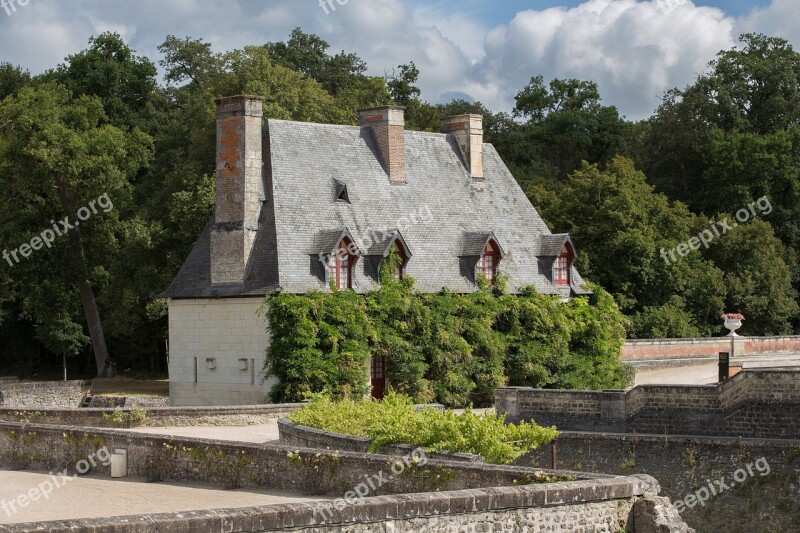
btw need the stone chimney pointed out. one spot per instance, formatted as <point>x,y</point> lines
<point>468,130</point>
<point>240,186</point>
<point>388,125</point>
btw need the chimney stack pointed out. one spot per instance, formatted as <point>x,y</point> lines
<point>240,186</point>
<point>388,126</point>
<point>468,130</point>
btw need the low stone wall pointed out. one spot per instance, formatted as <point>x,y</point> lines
<point>292,434</point>
<point>157,416</point>
<point>643,350</point>
<point>35,394</point>
<point>684,465</point>
<point>436,496</point>
<point>754,403</point>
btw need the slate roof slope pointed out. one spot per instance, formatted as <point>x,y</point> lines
<point>437,208</point>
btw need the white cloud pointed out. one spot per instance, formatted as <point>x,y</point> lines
<point>780,19</point>
<point>634,49</point>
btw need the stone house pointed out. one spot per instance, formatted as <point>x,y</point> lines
<point>302,206</point>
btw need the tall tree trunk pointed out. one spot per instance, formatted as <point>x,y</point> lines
<point>82,277</point>
<point>94,324</point>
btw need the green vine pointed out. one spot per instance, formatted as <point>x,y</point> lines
<point>452,348</point>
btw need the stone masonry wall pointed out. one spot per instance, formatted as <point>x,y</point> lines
<point>683,465</point>
<point>292,434</point>
<point>156,417</point>
<point>437,496</point>
<point>225,334</point>
<point>754,403</point>
<point>38,394</point>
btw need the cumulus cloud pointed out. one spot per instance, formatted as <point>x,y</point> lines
<point>634,49</point>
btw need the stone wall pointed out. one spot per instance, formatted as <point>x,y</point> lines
<point>437,496</point>
<point>36,394</point>
<point>684,465</point>
<point>218,338</point>
<point>292,434</point>
<point>156,417</point>
<point>754,403</point>
<point>638,351</point>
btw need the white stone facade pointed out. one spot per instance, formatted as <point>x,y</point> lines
<point>217,350</point>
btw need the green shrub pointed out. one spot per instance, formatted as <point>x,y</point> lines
<point>396,420</point>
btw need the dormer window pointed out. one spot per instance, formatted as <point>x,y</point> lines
<point>487,265</point>
<point>340,265</point>
<point>562,267</point>
<point>400,252</point>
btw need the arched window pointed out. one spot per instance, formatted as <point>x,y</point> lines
<point>487,265</point>
<point>340,265</point>
<point>400,252</point>
<point>562,268</point>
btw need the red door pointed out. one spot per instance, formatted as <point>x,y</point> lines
<point>378,377</point>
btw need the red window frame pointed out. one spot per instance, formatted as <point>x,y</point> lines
<point>340,265</point>
<point>562,268</point>
<point>487,264</point>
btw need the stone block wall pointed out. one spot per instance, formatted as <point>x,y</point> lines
<point>225,334</point>
<point>41,394</point>
<point>683,465</point>
<point>437,496</point>
<point>292,434</point>
<point>156,417</point>
<point>754,403</point>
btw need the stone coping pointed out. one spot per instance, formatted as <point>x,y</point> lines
<point>677,439</point>
<point>292,433</point>
<point>166,411</point>
<point>365,510</point>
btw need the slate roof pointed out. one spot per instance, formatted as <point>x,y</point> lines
<point>551,245</point>
<point>440,211</point>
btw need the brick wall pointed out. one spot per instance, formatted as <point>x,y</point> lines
<point>36,394</point>
<point>640,350</point>
<point>754,403</point>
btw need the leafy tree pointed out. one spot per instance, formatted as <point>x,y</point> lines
<point>12,79</point>
<point>59,156</point>
<point>110,70</point>
<point>620,226</point>
<point>757,278</point>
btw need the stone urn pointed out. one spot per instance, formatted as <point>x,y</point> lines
<point>733,321</point>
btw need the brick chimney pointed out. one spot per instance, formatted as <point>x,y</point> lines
<point>468,130</point>
<point>240,186</point>
<point>388,125</point>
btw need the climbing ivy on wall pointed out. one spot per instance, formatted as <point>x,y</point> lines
<point>446,347</point>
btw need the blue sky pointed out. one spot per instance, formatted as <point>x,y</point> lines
<point>486,50</point>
